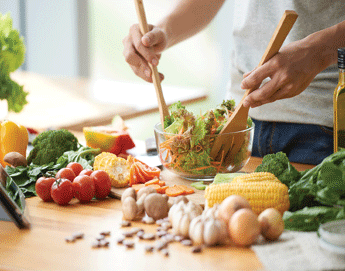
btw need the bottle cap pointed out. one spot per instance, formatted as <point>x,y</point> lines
<point>341,58</point>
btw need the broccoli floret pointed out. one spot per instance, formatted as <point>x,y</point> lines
<point>279,164</point>
<point>50,145</point>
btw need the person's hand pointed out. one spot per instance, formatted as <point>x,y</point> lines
<point>291,71</point>
<point>141,50</point>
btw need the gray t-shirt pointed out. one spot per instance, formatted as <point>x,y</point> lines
<point>254,24</point>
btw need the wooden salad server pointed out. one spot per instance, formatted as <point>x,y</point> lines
<point>163,109</point>
<point>225,148</point>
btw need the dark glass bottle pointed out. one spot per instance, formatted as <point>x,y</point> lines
<point>339,105</point>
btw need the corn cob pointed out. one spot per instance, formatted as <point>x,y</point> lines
<point>116,167</point>
<point>261,191</point>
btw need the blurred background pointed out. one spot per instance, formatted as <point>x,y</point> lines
<point>83,38</point>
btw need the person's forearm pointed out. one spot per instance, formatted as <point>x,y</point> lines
<point>327,42</point>
<point>188,18</point>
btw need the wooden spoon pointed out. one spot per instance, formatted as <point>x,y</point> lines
<point>224,148</point>
<point>163,109</point>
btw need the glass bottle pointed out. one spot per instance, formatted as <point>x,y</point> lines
<point>339,105</point>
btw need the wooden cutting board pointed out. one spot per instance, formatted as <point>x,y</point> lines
<point>170,179</point>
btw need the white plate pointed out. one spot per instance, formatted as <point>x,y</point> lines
<point>331,248</point>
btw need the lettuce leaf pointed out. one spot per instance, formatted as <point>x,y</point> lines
<point>12,55</point>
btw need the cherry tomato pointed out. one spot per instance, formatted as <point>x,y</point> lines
<point>84,188</point>
<point>76,167</point>
<point>86,171</point>
<point>65,173</point>
<point>102,183</point>
<point>43,188</point>
<point>62,191</point>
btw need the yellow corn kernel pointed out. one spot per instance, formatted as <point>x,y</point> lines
<point>116,167</point>
<point>260,194</point>
<point>256,177</point>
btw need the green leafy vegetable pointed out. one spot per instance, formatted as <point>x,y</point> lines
<point>279,164</point>
<point>12,54</point>
<point>84,156</point>
<point>225,177</point>
<point>50,145</point>
<point>310,218</point>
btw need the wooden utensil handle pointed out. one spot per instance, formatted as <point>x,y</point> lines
<point>163,109</point>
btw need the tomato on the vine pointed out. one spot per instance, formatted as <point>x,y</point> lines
<point>102,183</point>
<point>76,167</point>
<point>65,173</point>
<point>43,188</point>
<point>83,188</point>
<point>62,191</point>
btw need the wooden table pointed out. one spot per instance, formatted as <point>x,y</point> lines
<point>43,247</point>
<point>73,103</point>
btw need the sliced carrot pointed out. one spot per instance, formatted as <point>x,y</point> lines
<point>161,183</point>
<point>138,186</point>
<point>153,181</point>
<point>155,186</point>
<point>187,190</point>
<point>162,189</point>
<point>174,191</point>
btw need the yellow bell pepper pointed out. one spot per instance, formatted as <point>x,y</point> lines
<point>13,138</point>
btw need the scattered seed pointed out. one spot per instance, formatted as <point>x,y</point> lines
<point>148,220</point>
<point>159,222</point>
<point>128,243</point>
<point>165,252</point>
<point>187,242</point>
<point>140,234</point>
<point>104,243</point>
<point>125,223</point>
<point>128,234</point>
<point>178,238</point>
<point>149,248</point>
<point>70,239</point>
<point>166,226</point>
<point>168,238</point>
<point>105,233</point>
<point>161,233</point>
<point>78,235</point>
<point>161,244</point>
<point>100,237</point>
<point>135,230</point>
<point>196,249</point>
<point>120,239</point>
<point>95,244</point>
<point>159,229</point>
<point>149,236</point>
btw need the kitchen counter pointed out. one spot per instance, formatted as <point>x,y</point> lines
<point>73,103</point>
<point>43,247</point>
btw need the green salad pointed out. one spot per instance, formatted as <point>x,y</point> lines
<point>188,140</point>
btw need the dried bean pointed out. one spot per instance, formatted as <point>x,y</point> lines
<point>135,230</point>
<point>95,244</point>
<point>187,242</point>
<point>140,234</point>
<point>166,226</point>
<point>128,234</point>
<point>105,233</point>
<point>149,236</point>
<point>148,220</point>
<point>168,238</point>
<point>78,235</point>
<point>159,222</point>
<point>165,252</point>
<point>128,243</point>
<point>161,233</point>
<point>178,238</point>
<point>125,223</point>
<point>120,239</point>
<point>161,244</point>
<point>70,239</point>
<point>196,249</point>
<point>149,248</point>
<point>100,237</point>
<point>104,243</point>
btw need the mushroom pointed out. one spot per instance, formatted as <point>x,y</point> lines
<point>129,192</point>
<point>129,208</point>
<point>15,159</point>
<point>141,196</point>
<point>3,176</point>
<point>156,206</point>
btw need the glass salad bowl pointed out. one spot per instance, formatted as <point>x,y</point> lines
<point>188,154</point>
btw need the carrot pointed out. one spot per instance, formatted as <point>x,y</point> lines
<point>187,190</point>
<point>138,186</point>
<point>153,181</point>
<point>162,189</point>
<point>155,186</point>
<point>161,183</point>
<point>173,191</point>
